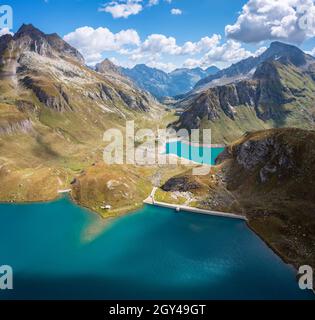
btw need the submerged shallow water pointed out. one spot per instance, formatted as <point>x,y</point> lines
<point>58,251</point>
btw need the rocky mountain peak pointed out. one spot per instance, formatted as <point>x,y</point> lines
<point>28,30</point>
<point>29,38</point>
<point>277,45</point>
<point>142,66</point>
<point>281,46</point>
<point>107,66</point>
<point>286,53</point>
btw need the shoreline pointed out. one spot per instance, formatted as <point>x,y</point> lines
<point>181,160</point>
<point>228,216</point>
<point>277,252</point>
<point>194,144</point>
<point>196,210</point>
<point>168,206</point>
<point>147,201</point>
<point>69,197</point>
<point>151,201</point>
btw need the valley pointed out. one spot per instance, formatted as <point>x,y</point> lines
<point>54,111</point>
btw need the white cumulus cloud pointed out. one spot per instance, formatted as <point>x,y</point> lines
<point>311,52</point>
<point>222,55</point>
<point>126,8</point>
<point>123,8</point>
<point>159,44</point>
<point>94,42</point>
<point>153,2</point>
<point>289,20</point>
<point>176,12</point>
<point>156,50</point>
<point>165,66</point>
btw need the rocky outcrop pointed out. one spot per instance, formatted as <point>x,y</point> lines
<point>23,126</point>
<point>181,184</point>
<point>227,98</point>
<point>269,156</point>
<point>278,161</point>
<point>52,97</point>
<point>136,103</point>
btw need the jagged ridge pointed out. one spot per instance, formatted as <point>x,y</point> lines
<point>279,93</point>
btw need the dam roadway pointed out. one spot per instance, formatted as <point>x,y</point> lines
<point>151,201</point>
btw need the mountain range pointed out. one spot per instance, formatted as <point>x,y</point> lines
<point>162,84</point>
<point>275,89</point>
<point>245,68</point>
<point>54,111</point>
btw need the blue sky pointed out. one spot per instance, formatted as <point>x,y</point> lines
<point>146,31</point>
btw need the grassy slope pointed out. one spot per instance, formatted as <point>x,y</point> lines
<point>299,111</point>
<point>123,187</point>
<point>282,210</point>
<point>225,130</point>
<point>62,146</point>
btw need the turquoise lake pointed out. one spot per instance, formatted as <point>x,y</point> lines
<point>203,155</point>
<point>58,251</point>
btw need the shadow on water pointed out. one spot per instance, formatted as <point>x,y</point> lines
<point>87,287</point>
